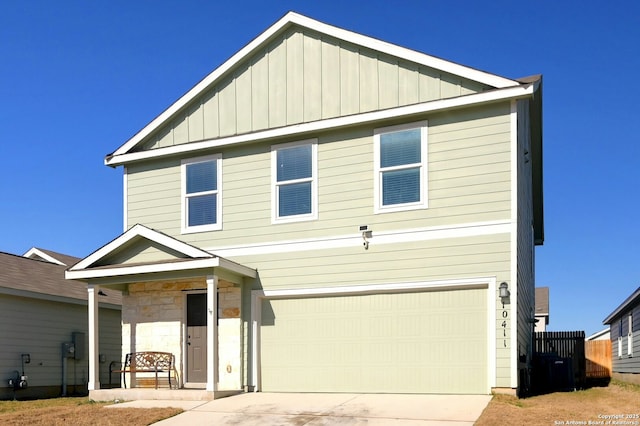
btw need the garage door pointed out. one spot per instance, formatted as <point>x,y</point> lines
<point>425,342</point>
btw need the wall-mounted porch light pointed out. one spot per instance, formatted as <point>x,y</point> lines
<point>504,291</point>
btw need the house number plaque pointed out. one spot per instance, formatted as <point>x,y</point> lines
<point>505,317</point>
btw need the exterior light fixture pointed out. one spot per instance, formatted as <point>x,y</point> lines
<point>504,290</point>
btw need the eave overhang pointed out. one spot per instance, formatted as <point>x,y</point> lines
<point>625,306</point>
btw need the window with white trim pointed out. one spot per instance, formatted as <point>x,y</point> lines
<point>400,167</point>
<point>630,335</point>
<point>202,194</point>
<point>620,339</point>
<point>294,181</point>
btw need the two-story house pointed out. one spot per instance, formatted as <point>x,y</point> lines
<point>328,212</point>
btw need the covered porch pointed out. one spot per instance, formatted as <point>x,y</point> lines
<point>177,298</point>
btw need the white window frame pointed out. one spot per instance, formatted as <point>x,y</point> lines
<point>630,334</point>
<point>620,339</point>
<point>313,215</point>
<point>378,171</point>
<point>186,229</point>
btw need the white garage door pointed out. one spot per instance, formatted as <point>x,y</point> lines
<point>425,342</point>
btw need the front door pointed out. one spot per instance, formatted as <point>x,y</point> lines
<point>196,338</point>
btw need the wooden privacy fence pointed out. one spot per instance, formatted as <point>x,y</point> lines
<point>598,355</point>
<point>556,349</point>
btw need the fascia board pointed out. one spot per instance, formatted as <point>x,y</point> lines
<point>42,255</point>
<point>331,123</point>
<point>635,297</point>
<point>140,231</point>
<point>85,274</point>
<point>236,268</point>
<point>349,36</point>
<point>53,298</point>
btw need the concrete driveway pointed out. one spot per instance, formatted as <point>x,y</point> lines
<point>325,409</point>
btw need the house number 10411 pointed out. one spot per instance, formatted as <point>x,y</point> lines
<point>505,316</point>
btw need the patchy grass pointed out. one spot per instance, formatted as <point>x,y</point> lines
<point>77,411</point>
<point>579,407</point>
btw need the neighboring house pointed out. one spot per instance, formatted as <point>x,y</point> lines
<point>624,323</point>
<point>39,312</point>
<point>600,335</point>
<point>328,212</point>
<point>542,308</point>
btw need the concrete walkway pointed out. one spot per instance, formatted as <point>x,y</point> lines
<point>265,409</point>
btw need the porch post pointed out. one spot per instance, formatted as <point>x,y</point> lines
<point>94,338</point>
<point>212,333</point>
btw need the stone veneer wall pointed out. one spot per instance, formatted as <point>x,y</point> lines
<point>153,317</point>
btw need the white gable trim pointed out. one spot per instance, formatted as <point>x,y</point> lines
<point>144,232</point>
<point>331,123</point>
<point>292,18</point>
<point>33,251</point>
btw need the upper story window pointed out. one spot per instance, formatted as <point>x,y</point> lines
<point>294,181</point>
<point>202,194</point>
<point>400,167</point>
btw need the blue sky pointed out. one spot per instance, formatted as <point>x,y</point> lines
<point>78,78</point>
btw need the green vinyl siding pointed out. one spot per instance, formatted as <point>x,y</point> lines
<point>425,342</point>
<point>302,77</point>
<point>468,179</point>
<point>450,258</point>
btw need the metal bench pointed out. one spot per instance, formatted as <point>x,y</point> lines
<point>146,362</point>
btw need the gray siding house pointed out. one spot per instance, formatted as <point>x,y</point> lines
<point>328,212</point>
<point>39,312</point>
<point>624,326</point>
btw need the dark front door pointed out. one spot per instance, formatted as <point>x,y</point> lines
<point>197,338</point>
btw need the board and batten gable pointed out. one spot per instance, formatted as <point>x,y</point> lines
<point>303,76</point>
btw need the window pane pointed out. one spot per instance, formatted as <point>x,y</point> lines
<point>401,186</point>
<point>202,177</point>
<point>202,210</point>
<point>400,148</point>
<point>294,163</point>
<point>294,199</point>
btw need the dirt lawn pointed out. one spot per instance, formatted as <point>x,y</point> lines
<point>77,412</point>
<point>616,404</point>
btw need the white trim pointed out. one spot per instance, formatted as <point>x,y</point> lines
<point>144,232</point>
<point>630,334</point>
<point>33,251</point>
<point>185,228</point>
<point>125,200</point>
<point>349,36</point>
<point>513,288</point>
<point>212,333</point>
<point>485,282</point>
<point>94,337</point>
<point>313,215</point>
<point>122,156</point>
<point>423,203</point>
<point>211,262</point>
<point>378,237</point>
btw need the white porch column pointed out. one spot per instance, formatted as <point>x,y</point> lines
<point>212,333</point>
<point>94,338</point>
